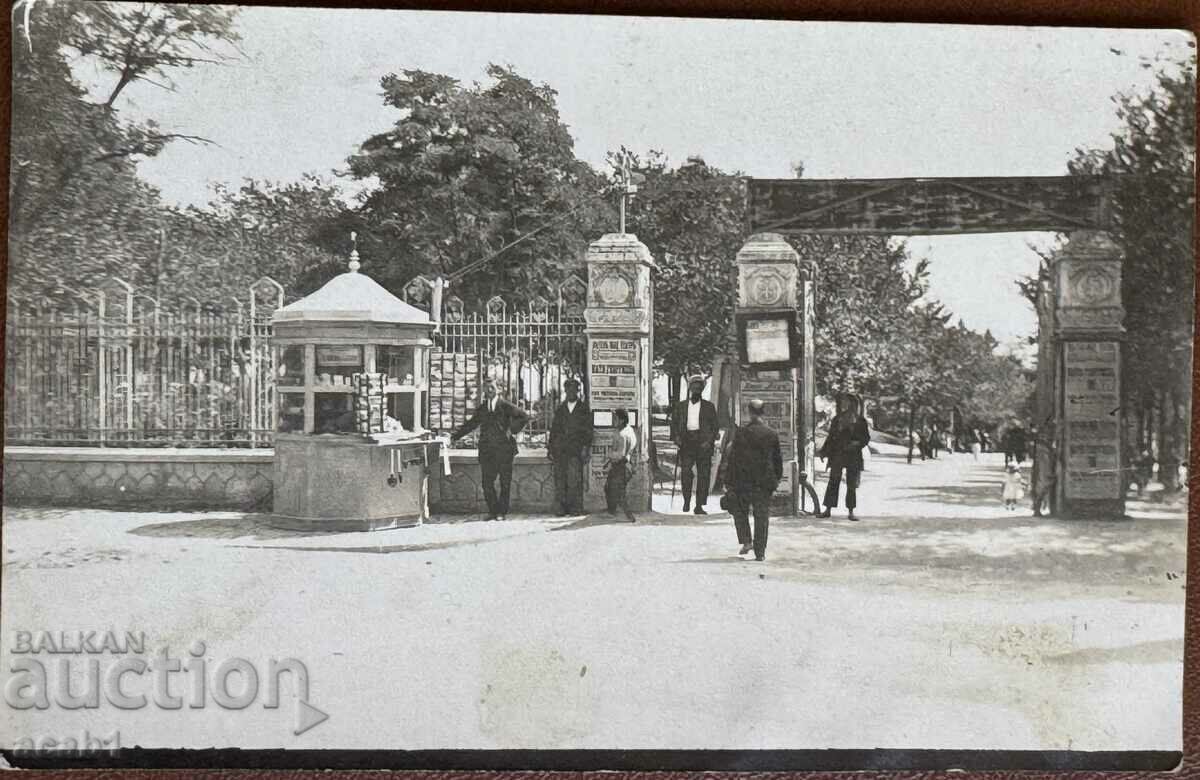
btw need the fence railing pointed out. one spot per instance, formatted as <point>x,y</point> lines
<point>117,368</point>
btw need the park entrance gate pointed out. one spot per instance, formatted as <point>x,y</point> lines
<point>1078,464</point>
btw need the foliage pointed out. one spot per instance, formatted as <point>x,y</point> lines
<point>1153,160</point>
<point>691,218</point>
<point>78,212</point>
<point>466,172</point>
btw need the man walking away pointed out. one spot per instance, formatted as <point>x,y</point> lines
<point>619,466</point>
<point>570,447</point>
<point>755,469</point>
<point>498,422</point>
<point>694,431</point>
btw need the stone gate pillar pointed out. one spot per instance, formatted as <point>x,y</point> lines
<point>1089,419</point>
<point>619,355</point>
<point>771,280</point>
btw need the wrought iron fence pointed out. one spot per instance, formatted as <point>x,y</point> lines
<point>117,368</point>
<point>529,350</point>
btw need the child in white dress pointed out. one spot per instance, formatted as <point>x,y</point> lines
<point>1014,486</point>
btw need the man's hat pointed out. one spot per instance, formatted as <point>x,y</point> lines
<point>697,379</point>
<point>571,383</point>
<point>756,406</point>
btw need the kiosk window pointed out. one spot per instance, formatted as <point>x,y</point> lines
<point>336,364</point>
<point>400,407</point>
<point>333,413</point>
<point>291,413</point>
<point>399,364</point>
<point>290,371</point>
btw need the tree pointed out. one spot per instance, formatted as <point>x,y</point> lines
<point>1153,161</point>
<point>77,210</point>
<point>691,219</point>
<point>471,173</point>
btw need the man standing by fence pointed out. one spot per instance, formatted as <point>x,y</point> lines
<point>569,447</point>
<point>694,431</point>
<point>498,422</point>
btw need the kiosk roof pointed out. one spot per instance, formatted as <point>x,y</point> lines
<point>352,297</point>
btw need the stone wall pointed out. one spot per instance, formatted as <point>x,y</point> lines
<point>234,480</point>
<point>138,478</point>
<point>461,491</point>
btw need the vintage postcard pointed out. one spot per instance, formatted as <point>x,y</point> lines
<point>488,390</point>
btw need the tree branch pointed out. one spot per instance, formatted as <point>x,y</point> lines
<point>142,147</point>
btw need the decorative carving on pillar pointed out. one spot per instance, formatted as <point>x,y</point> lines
<point>614,285</point>
<point>1089,284</point>
<point>767,273</point>
<point>618,291</point>
<point>621,319</point>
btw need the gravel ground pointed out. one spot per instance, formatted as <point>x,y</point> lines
<point>938,621</point>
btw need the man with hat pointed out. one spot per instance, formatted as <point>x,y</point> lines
<point>754,471</point>
<point>694,431</point>
<point>569,447</point>
<point>499,421</point>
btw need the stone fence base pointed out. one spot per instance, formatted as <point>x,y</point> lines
<point>199,479</point>
<point>147,478</point>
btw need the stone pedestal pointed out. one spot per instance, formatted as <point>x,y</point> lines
<point>1089,418</point>
<point>619,318</point>
<point>770,279</point>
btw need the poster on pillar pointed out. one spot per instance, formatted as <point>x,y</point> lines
<point>1091,403</point>
<point>613,384</point>
<point>613,374</point>
<point>777,391</point>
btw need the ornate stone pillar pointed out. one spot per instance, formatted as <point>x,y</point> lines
<point>1089,415</point>
<point>771,281</point>
<point>619,325</point>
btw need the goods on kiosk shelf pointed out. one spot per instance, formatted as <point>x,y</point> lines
<point>451,377</point>
<point>370,404</point>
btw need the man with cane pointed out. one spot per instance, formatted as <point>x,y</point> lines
<point>694,431</point>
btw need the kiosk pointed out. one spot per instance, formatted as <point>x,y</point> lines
<point>352,380</point>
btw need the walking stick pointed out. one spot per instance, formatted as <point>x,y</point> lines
<point>674,476</point>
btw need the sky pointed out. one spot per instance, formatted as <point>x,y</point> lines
<point>846,99</point>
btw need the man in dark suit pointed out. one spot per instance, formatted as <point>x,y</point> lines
<point>498,422</point>
<point>755,469</point>
<point>694,431</point>
<point>570,447</point>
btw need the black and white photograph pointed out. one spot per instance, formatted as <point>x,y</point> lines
<point>463,389</point>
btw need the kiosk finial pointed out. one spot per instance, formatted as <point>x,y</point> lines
<point>354,264</point>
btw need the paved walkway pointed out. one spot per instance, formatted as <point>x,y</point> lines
<point>938,621</point>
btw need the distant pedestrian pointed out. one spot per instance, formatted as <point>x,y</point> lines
<point>1014,486</point>
<point>570,447</point>
<point>986,440</point>
<point>619,466</point>
<point>848,435</point>
<point>975,442</point>
<point>1015,442</point>
<point>754,470</point>
<point>935,442</point>
<point>694,431</point>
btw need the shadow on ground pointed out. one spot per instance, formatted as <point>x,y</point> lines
<point>236,527</point>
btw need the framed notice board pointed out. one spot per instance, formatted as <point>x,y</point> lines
<point>769,340</point>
